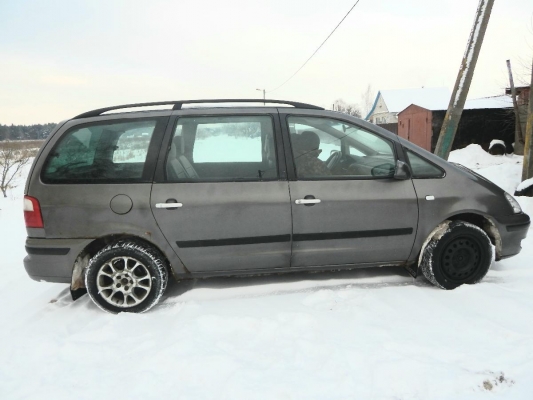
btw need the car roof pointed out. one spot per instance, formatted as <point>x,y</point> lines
<point>178,104</point>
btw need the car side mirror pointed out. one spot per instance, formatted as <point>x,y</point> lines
<point>402,171</point>
<point>383,170</point>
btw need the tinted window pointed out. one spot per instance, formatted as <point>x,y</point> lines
<point>101,152</point>
<point>328,149</point>
<point>222,149</point>
<point>422,168</point>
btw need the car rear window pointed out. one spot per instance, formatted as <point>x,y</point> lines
<point>103,152</point>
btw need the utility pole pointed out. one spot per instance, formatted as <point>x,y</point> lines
<point>264,94</point>
<point>527,169</point>
<point>518,136</point>
<point>464,78</point>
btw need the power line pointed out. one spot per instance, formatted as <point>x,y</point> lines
<point>312,55</point>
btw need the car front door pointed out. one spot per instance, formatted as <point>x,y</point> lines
<point>221,197</point>
<point>347,207</point>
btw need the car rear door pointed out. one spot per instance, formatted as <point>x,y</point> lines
<point>97,175</point>
<point>347,208</point>
<point>221,194</point>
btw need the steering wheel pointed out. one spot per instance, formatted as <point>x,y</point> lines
<point>334,160</point>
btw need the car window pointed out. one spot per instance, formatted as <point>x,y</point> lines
<point>422,168</point>
<point>325,148</point>
<point>328,143</point>
<point>132,146</point>
<point>101,152</point>
<point>370,140</point>
<point>227,148</point>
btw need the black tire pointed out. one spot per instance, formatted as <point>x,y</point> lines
<point>126,276</point>
<point>461,254</point>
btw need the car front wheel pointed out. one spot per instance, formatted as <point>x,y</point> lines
<point>461,253</point>
<point>126,276</point>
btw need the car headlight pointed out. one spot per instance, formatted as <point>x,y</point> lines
<point>512,201</point>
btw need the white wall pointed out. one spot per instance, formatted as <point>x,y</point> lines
<point>381,114</point>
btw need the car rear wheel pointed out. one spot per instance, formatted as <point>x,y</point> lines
<point>460,254</point>
<point>126,276</point>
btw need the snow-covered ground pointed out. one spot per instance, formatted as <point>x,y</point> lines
<point>365,334</point>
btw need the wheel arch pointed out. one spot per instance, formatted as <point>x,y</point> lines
<point>450,231</point>
<point>481,221</point>
<point>486,224</point>
<point>82,260</point>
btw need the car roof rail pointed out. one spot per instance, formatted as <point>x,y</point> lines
<point>177,105</point>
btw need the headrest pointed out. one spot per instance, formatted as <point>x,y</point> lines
<point>176,146</point>
<point>308,141</point>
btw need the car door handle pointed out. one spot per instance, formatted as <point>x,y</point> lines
<point>307,201</point>
<point>168,205</point>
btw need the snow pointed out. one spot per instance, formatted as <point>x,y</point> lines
<point>437,99</point>
<point>495,142</point>
<point>209,149</point>
<point>365,334</point>
<point>489,102</point>
<point>429,98</point>
<point>525,184</point>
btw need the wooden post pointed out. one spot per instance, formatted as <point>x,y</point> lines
<point>518,136</point>
<point>527,169</point>
<point>464,78</point>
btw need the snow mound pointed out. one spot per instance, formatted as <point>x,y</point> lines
<point>524,185</point>
<point>474,157</point>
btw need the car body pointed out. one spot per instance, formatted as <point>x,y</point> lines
<point>218,191</point>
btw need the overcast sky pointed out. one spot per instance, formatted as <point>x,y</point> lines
<point>59,58</point>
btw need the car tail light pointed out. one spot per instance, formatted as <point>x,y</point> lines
<point>32,213</point>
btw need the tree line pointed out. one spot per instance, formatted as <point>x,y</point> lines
<point>25,132</point>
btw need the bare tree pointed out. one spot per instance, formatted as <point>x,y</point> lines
<point>343,107</point>
<point>12,160</point>
<point>367,99</point>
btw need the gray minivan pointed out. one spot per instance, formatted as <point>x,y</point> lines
<point>117,200</point>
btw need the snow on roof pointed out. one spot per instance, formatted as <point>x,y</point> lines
<point>434,99</point>
<point>429,98</point>
<point>489,102</point>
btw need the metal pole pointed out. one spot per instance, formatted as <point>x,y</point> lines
<point>264,91</point>
<point>527,169</point>
<point>464,78</point>
<point>518,136</point>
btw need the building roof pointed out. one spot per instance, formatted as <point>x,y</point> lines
<point>479,104</point>
<point>518,89</point>
<point>435,99</point>
<point>489,102</point>
<point>400,99</point>
<point>429,98</point>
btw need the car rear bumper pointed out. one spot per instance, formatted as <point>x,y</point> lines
<point>513,229</point>
<point>52,260</point>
